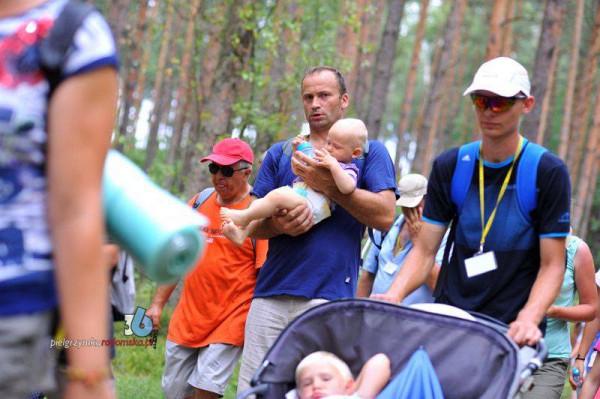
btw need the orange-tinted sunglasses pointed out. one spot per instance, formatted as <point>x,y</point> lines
<point>496,104</point>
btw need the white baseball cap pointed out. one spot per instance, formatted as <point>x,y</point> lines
<point>413,188</point>
<point>502,76</point>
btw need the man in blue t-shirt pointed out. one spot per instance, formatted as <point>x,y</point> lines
<point>507,259</point>
<point>307,264</point>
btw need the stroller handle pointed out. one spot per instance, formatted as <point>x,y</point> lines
<point>541,352</point>
<point>259,389</point>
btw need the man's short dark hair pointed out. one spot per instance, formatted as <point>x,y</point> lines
<point>338,75</point>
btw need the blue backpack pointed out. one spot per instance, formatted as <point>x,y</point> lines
<point>526,180</point>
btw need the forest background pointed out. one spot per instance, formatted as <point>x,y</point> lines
<point>195,71</point>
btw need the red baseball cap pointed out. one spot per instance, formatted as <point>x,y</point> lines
<point>229,151</point>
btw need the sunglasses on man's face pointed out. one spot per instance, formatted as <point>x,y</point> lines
<point>226,171</point>
<point>496,104</point>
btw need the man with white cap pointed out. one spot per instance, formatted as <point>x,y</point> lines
<point>389,250</point>
<point>508,200</point>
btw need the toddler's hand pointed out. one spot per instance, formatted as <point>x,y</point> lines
<point>296,142</point>
<point>324,158</point>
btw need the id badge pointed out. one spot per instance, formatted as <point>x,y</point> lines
<point>479,264</point>
<point>390,268</point>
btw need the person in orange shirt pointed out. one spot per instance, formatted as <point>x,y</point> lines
<point>206,331</point>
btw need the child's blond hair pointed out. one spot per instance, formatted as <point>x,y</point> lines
<point>358,129</point>
<point>320,357</point>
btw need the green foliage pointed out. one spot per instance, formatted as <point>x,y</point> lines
<point>291,36</point>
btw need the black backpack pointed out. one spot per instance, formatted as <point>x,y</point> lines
<point>54,47</point>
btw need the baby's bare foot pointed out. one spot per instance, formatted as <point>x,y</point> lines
<point>234,233</point>
<point>234,215</point>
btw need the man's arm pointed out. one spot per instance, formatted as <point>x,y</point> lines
<point>524,330</point>
<point>375,210</point>
<point>418,264</point>
<point>162,295</point>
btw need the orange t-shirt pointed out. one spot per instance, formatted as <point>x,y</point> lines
<point>217,292</point>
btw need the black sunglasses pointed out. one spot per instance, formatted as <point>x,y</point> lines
<point>226,171</point>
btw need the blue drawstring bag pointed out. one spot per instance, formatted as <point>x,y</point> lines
<point>416,380</point>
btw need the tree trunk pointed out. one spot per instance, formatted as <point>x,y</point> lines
<point>370,30</point>
<point>117,18</point>
<point>279,97</point>
<point>495,37</point>
<point>411,80</point>
<point>589,202</point>
<point>140,86</point>
<point>450,109</point>
<point>157,93</point>
<point>287,109</point>
<point>236,48</point>
<point>205,76</point>
<point>570,90</point>
<point>584,90</point>
<point>507,31</point>
<point>384,63</point>
<point>441,82</point>
<point>547,46</point>
<point>418,131</point>
<point>545,108</point>
<point>131,73</point>
<point>585,188</point>
<point>182,95</point>
<point>350,37</point>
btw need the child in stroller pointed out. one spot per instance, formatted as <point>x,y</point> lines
<point>324,375</point>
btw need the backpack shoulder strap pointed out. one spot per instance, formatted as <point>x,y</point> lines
<point>443,275</point>
<point>287,147</point>
<point>527,177</point>
<point>463,172</point>
<point>285,155</point>
<point>202,196</point>
<point>53,49</point>
<point>375,241</point>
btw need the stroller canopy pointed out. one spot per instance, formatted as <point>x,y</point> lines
<point>472,359</point>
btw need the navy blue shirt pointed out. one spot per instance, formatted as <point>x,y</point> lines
<point>514,236</point>
<point>323,262</point>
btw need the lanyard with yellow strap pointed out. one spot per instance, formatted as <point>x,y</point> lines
<point>485,227</point>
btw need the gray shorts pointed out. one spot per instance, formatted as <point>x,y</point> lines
<point>266,319</point>
<point>26,362</point>
<point>549,380</point>
<point>208,368</point>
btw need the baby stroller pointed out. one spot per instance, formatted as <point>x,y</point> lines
<point>472,358</point>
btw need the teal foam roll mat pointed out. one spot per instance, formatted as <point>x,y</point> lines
<point>162,233</point>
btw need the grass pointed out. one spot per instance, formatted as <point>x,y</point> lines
<point>138,370</point>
